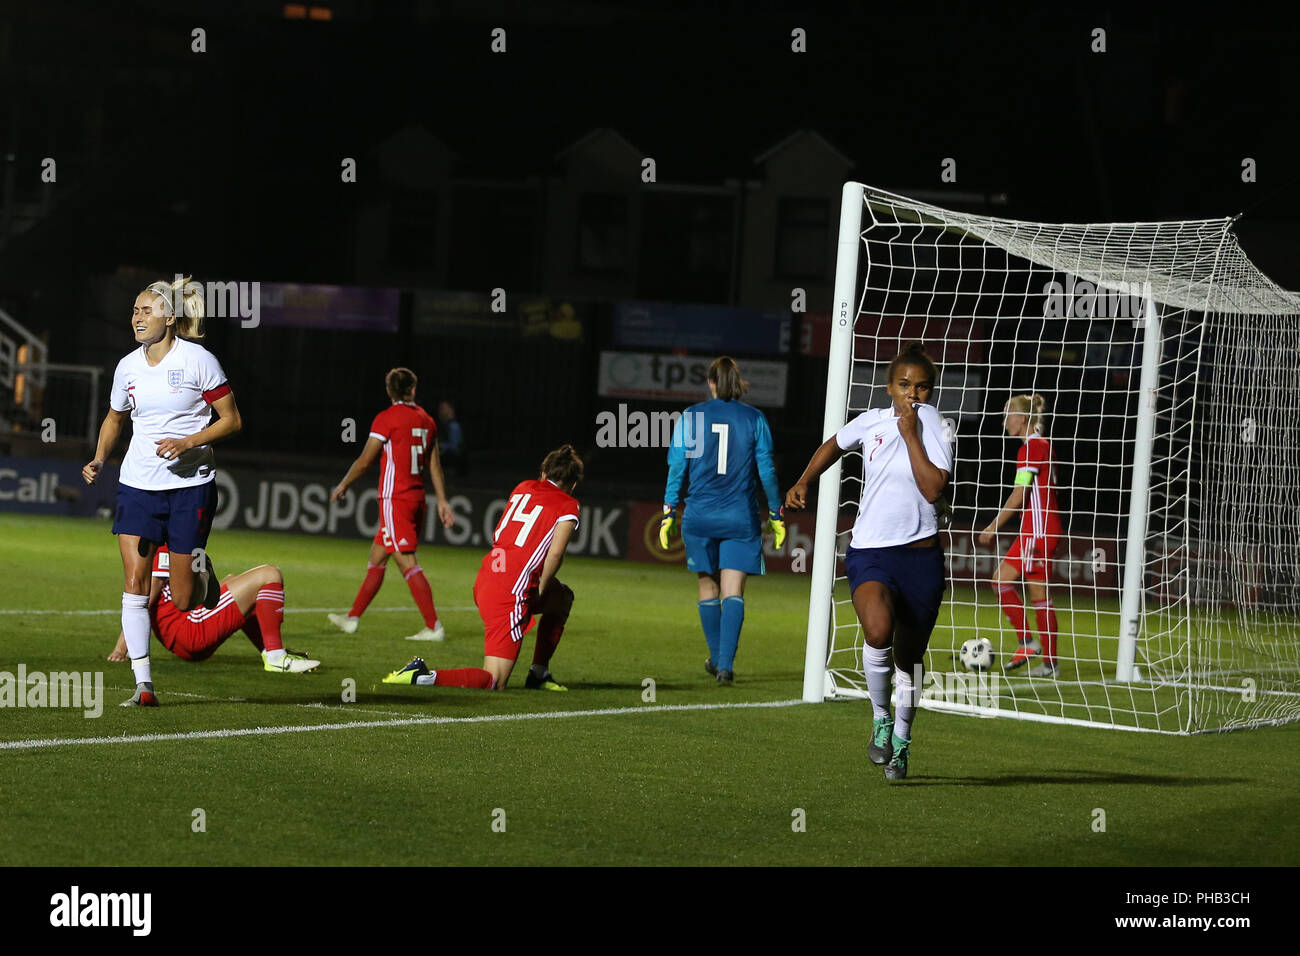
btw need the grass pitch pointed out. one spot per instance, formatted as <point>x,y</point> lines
<point>281,770</point>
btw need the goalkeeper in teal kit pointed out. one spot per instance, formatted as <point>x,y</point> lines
<point>719,448</point>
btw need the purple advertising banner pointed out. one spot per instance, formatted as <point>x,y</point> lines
<point>332,307</point>
<point>700,328</point>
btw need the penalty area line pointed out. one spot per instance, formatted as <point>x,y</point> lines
<point>35,744</point>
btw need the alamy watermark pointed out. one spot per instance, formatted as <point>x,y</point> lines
<point>637,429</point>
<point>78,689</point>
<point>1081,299</point>
<point>980,689</point>
<point>228,300</point>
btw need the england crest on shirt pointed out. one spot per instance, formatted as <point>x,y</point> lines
<point>174,378</point>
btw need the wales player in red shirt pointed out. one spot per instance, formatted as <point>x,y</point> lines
<point>406,436</point>
<point>517,581</point>
<point>1040,532</point>
<point>252,602</point>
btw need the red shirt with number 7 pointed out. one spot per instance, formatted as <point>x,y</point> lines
<point>408,433</point>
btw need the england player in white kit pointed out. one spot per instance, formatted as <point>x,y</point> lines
<point>894,561</point>
<point>166,492</point>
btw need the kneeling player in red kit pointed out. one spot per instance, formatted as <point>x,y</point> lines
<point>252,602</point>
<point>517,581</point>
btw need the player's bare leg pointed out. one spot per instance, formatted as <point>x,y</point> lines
<point>875,609</point>
<point>409,564</point>
<point>377,562</point>
<point>137,567</point>
<point>1013,606</point>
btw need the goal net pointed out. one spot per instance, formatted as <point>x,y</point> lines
<point>1170,369</point>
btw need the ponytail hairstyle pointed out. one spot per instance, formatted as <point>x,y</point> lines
<point>913,353</point>
<point>189,318</point>
<point>563,466</point>
<point>1033,407</point>
<point>399,383</point>
<point>724,373</point>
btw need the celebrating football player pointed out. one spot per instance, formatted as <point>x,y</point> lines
<point>516,581</point>
<point>894,560</point>
<point>718,448</point>
<point>405,435</point>
<point>1040,532</point>
<point>166,490</point>
<point>252,602</point>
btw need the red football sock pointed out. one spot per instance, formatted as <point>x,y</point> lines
<point>369,588</point>
<point>423,594</point>
<point>1013,606</point>
<point>254,632</point>
<point>548,636</point>
<point>1047,627</point>
<point>475,677</point>
<point>269,611</point>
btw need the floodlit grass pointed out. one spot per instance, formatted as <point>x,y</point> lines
<point>642,785</point>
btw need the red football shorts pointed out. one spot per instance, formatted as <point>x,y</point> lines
<point>197,640</point>
<point>506,617</point>
<point>400,521</point>
<point>1032,556</point>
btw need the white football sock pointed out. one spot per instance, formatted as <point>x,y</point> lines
<point>427,680</point>
<point>135,627</point>
<point>275,656</point>
<point>906,709</point>
<point>877,661</point>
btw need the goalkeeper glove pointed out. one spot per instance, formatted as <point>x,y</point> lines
<point>668,526</point>
<point>776,525</point>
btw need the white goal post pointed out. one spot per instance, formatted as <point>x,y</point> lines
<point>1170,367</point>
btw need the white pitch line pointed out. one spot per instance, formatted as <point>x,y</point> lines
<point>287,610</point>
<point>366,724</point>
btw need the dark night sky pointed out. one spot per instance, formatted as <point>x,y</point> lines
<point>1156,127</point>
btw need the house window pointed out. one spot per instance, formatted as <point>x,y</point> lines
<point>801,235</point>
<point>603,234</point>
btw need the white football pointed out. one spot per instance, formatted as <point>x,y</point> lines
<point>977,654</point>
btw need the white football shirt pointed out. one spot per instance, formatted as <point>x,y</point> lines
<point>168,400</point>
<point>893,511</point>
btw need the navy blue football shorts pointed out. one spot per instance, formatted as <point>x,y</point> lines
<point>914,576</point>
<point>179,517</point>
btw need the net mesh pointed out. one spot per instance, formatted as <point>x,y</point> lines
<point>1006,308</point>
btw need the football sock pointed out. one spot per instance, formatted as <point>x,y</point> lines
<point>549,631</point>
<point>275,656</point>
<point>733,619</point>
<point>369,588</point>
<point>475,677</point>
<point>135,627</point>
<point>1046,627</point>
<point>1013,606</point>
<point>711,621</point>
<point>906,709</point>
<point>423,594</point>
<point>254,633</point>
<point>878,662</point>
<point>269,610</point>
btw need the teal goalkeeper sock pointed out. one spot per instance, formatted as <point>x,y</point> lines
<point>711,621</point>
<point>733,618</point>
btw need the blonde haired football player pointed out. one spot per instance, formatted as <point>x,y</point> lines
<point>167,494</point>
<point>1034,496</point>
